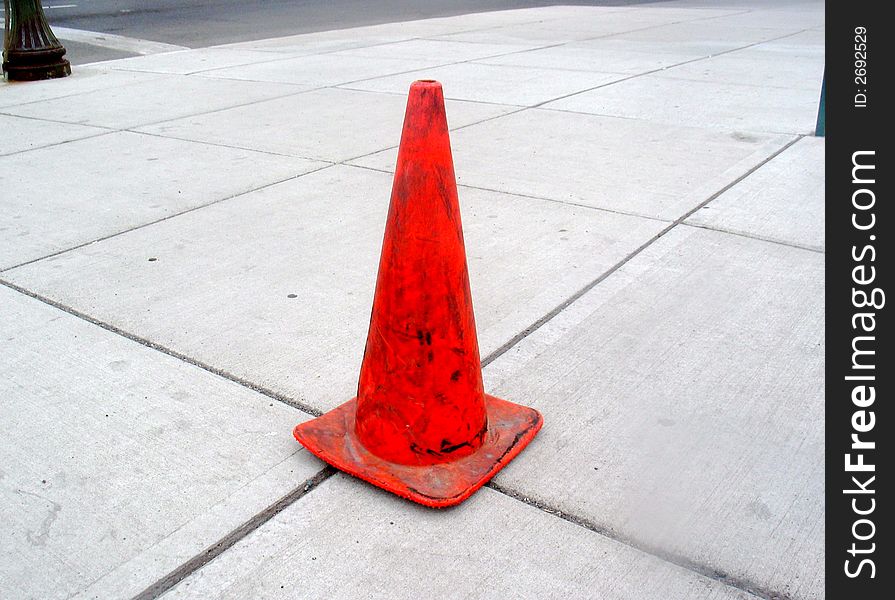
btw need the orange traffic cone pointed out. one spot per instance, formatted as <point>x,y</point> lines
<point>421,425</point>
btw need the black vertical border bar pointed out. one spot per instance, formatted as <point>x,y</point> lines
<point>853,253</point>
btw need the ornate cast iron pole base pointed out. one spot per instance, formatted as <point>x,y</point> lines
<point>31,51</point>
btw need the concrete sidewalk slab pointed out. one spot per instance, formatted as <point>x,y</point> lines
<point>436,51</point>
<point>219,289</point>
<point>324,124</point>
<point>709,37</point>
<point>541,33</point>
<point>187,62</point>
<point>770,14</point>
<point>349,540</point>
<point>81,81</point>
<point>754,66</point>
<point>674,418</point>
<point>320,42</point>
<point>119,463</point>
<point>605,21</point>
<point>603,58</point>
<point>104,185</point>
<point>783,201</point>
<point>600,161</point>
<point>150,102</point>
<point>807,44</point>
<point>584,23</point>
<point>21,134</point>
<point>520,86</point>
<point>318,70</point>
<point>715,106</point>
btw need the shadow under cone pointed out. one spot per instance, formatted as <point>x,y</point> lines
<point>421,425</point>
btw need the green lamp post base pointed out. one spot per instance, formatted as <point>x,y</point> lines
<point>35,66</point>
<point>31,51</point>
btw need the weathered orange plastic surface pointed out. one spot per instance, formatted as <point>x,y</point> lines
<point>421,425</point>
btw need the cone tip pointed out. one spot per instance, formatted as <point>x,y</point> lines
<point>425,83</point>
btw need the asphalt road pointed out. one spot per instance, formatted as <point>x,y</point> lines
<point>201,23</point>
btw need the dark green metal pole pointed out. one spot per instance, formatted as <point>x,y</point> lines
<point>31,51</point>
<point>820,129</point>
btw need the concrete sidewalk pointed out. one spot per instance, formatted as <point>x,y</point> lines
<point>188,248</point>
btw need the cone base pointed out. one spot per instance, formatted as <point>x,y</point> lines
<point>511,427</point>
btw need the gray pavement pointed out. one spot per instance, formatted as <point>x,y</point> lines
<point>188,246</point>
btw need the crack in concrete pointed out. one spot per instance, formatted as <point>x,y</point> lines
<point>659,70</point>
<point>165,218</point>
<point>39,538</point>
<point>198,561</point>
<point>738,583</point>
<point>531,197</point>
<point>760,238</point>
<point>165,350</point>
<point>581,292</point>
